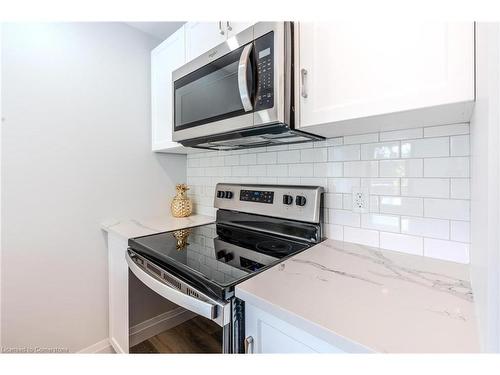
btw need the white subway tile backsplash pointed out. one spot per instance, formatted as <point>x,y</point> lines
<point>360,138</point>
<point>333,200</point>
<point>402,168</point>
<point>443,130</point>
<point>402,134</point>
<point>343,185</point>
<point>360,169</point>
<point>291,156</point>
<point>425,148</point>
<point>382,186</point>
<point>347,201</point>
<point>248,159</point>
<point>460,145</point>
<point>335,141</point>
<point>332,169</point>
<point>266,158</point>
<point>374,203</point>
<point>344,153</point>
<point>401,206</point>
<point>425,187</point>
<point>257,170</point>
<point>452,209</point>
<point>314,155</point>
<point>239,171</point>
<point>387,150</point>
<point>418,182</point>
<point>344,217</point>
<point>446,250</point>
<point>301,170</point>
<point>334,231</point>
<point>277,170</point>
<point>460,188</point>
<point>425,227</point>
<point>314,181</point>
<point>402,242</point>
<point>362,236</point>
<point>460,231</point>
<point>446,167</point>
<point>387,223</point>
<point>230,160</point>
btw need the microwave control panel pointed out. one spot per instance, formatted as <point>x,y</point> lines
<point>264,55</point>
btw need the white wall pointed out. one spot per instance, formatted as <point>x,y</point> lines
<point>75,150</point>
<point>485,162</point>
<point>418,180</point>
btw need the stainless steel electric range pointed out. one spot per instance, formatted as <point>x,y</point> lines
<point>257,227</point>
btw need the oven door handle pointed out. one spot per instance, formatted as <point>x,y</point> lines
<point>245,96</point>
<point>210,310</point>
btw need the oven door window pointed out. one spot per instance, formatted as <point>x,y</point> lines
<point>212,93</point>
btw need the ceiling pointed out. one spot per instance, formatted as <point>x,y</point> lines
<point>160,30</point>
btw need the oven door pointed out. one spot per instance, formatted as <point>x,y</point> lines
<point>237,85</point>
<point>177,291</point>
<point>227,314</point>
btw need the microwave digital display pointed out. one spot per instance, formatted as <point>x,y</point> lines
<point>264,53</point>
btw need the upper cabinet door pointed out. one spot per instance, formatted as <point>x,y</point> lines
<point>352,70</point>
<point>202,36</point>
<point>165,58</point>
<point>234,28</point>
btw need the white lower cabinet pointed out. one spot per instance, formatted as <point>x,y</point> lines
<point>118,293</point>
<point>266,333</point>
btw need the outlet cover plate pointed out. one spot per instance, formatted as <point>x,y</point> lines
<point>360,199</point>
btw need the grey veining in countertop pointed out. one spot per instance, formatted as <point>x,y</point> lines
<point>382,300</point>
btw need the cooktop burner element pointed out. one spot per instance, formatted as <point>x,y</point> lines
<point>254,230</point>
<point>274,247</point>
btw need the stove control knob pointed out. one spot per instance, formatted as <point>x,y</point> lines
<point>228,257</point>
<point>287,199</point>
<point>221,194</point>
<point>220,254</point>
<point>229,194</point>
<point>300,200</point>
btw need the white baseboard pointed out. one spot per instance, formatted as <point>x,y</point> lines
<point>158,324</point>
<point>102,346</point>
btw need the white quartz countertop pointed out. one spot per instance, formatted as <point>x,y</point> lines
<point>360,299</point>
<point>132,228</point>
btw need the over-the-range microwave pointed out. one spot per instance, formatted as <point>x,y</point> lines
<point>239,94</point>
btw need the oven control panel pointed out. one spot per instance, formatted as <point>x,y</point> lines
<point>303,203</point>
<point>260,196</point>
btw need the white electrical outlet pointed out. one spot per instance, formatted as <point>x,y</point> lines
<point>360,199</point>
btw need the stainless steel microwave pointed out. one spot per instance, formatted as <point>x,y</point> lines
<point>239,94</point>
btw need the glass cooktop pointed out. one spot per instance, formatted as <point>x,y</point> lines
<point>217,253</point>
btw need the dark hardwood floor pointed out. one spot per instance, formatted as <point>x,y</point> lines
<point>198,335</point>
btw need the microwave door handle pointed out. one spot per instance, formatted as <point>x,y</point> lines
<point>242,78</point>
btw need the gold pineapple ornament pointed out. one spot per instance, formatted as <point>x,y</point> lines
<point>181,205</point>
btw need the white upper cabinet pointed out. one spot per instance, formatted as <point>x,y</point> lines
<point>201,36</point>
<point>234,28</point>
<point>165,58</point>
<point>356,77</point>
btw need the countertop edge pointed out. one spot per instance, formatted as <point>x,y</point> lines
<point>304,324</point>
<point>131,228</point>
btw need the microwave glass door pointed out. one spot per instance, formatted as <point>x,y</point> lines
<point>212,92</point>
